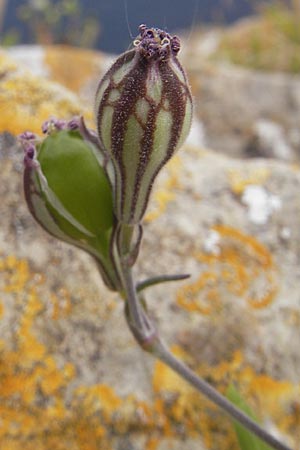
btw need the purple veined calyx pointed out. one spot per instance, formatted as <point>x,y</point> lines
<point>143,113</point>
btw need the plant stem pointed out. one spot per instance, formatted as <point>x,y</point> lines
<point>160,279</point>
<point>136,313</point>
<point>149,340</point>
<point>206,389</point>
<point>138,321</point>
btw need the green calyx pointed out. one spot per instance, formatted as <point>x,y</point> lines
<point>78,181</point>
<point>69,194</point>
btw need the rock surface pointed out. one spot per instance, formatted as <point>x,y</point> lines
<point>72,375</point>
<point>232,102</point>
<point>243,113</point>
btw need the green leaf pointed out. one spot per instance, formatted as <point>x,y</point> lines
<point>247,440</point>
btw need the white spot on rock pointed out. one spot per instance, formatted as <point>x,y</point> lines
<point>285,233</point>
<point>261,204</point>
<point>272,140</point>
<point>211,243</point>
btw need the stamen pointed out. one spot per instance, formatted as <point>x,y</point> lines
<point>165,41</point>
<point>73,124</point>
<point>27,136</point>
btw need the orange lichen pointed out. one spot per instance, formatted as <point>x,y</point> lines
<point>44,406</point>
<point>60,304</point>
<point>239,181</point>
<point>165,193</point>
<point>30,376</point>
<point>6,64</point>
<point>100,396</point>
<point>152,443</point>
<point>72,67</point>
<point>194,413</point>
<point>241,268</point>
<point>169,379</point>
<point>26,101</point>
<point>17,273</point>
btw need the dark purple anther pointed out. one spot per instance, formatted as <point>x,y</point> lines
<point>175,44</point>
<point>29,157</point>
<point>156,44</point>
<point>60,124</point>
<point>73,124</point>
<point>142,29</point>
<point>30,151</point>
<point>149,34</point>
<point>27,136</point>
<point>53,125</point>
<point>45,126</point>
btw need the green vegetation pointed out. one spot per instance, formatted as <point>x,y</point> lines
<point>246,439</point>
<point>269,42</point>
<point>55,22</point>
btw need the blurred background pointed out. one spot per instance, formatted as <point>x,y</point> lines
<point>226,210</point>
<point>240,114</point>
<point>243,115</point>
<point>107,25</point>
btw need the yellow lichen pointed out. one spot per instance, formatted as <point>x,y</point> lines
<point>169,379</point>
<point>152,443</point>
<point>268,398</point>
<point>165,193</point>
<point>71,67</point>
<point>41,408</point>
<point>101,396</point>
<point>6,64</point>
<point>240,180</point>
<point>242,267</point>
<point>26,101</point>
<point>17,273</point>
<point>60,304</point>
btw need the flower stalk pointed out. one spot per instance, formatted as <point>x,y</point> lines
<point>91,189</point>
<point>150,341</point>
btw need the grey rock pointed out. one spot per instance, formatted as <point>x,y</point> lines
<point>232,224</point>
<point>230,101</point>
<point>94,336</point>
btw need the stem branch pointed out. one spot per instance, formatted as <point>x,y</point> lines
<point>160,279</point>
<point>147,337</point>
<point>136,314</point>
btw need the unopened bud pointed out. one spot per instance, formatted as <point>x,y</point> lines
<point>67,191</point>
<point>144,112</point>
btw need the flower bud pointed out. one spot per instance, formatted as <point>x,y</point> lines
<point>144,111</point>
<point>68,193</point>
